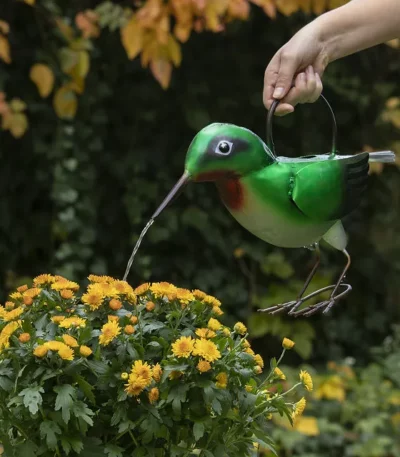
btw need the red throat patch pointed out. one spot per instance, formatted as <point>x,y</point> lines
<point>231,192</point>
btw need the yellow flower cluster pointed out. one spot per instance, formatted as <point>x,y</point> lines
<point>105,288</point>
<point>64,349</point>
<point>6,333</point>
<point>140,377</point>
<point>109,331</point>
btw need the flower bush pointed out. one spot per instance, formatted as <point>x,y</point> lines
<point>119,371</point>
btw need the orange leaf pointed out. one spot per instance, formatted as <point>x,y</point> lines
<point>5,49</point>
<point>86,23</point>
<point>65,103</point>
<point>287,7</point>
<point>65,29</point>
<point>162,71</point>
<point>149,13</point>
<point>43,77</point>
<point>163,29</point>
<point>268,6</point>
<point>16,123</point>
<point>174,51</point>
<point>182,31</point>
<point>4,27</point>
<point>239,9</point>
<point>336,3</point>
<point>213,14</point>
<point>319,6</point>
<point>132,37</point>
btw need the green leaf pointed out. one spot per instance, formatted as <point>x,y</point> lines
<point>147,328</point>
<point>32,398</point>
<point>198,430</point>
<point>81,410</point>
<point>177,395</point>
<point>86,388</point>
<point>112,450</point>
<point>6,384</point>
<point>27,449</point>
<point>66,396</point>
<point>92,447</point>
<point>49,430</point>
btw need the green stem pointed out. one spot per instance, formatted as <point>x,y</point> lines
<point>292,388</point>
<point>272,371</point>
<point>133,437</point>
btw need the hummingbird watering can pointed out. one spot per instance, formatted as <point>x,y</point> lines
<point>287,202</point>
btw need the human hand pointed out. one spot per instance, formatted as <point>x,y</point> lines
<point>294,73</point>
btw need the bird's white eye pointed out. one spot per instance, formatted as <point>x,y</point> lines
<point>224,148</point>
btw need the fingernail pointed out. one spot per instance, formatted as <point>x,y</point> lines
<point>278,92</point>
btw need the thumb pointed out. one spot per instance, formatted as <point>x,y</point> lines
<point>287,69</point>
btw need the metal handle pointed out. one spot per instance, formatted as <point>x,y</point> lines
<point>270,116</point>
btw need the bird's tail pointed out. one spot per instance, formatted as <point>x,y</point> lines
<point>382,156</point>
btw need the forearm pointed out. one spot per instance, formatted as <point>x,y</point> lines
<point>358,25</point>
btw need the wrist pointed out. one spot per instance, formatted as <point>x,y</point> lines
<point>327,38</point>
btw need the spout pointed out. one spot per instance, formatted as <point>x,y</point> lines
<point>183,181</point>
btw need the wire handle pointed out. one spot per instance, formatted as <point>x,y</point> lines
<point>270,116</point>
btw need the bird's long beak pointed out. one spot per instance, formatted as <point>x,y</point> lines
<point>183,181</point>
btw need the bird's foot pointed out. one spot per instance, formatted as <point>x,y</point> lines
<point>293,306</point>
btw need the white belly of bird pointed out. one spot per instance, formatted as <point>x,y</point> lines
<point>263,221</point>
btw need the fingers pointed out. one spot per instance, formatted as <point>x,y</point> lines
<point>307,89</point>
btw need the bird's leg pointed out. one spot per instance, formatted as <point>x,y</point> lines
<point>293,305</point>
<point>328,304</point>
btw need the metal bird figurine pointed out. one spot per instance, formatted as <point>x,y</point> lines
<point>287,202</point>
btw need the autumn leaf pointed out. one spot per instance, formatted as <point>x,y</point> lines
<point>287,7</point>
<point>238,9</point>
<point>43,77</point>
<point>174,51</point>
<point>65,29</point>
<point>213,14</point>
<point>268,6</point>
<point>319,6</point>
<point>65,102</point>
<point>336,3</point>
<point>17,105</point>
<point>4,27</point>
<point>132,37</point>
<point>14,119</point>
<point>183,13</point>
<point>30,2</point>
<point>162,71</point>
<point>5,50</point>
<point>149,13</point>
<point>86,21</point>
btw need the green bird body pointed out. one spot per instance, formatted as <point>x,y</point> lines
<point>287,202</point>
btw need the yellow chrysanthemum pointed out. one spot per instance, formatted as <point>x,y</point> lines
<point>154,394</point>
<point>133,319</point>
<point>12,315</point>
<point>212,301</point>
<point>205,333</point>
<point>287,344</point>
<point>57,319</point>
<point>27,300</point>
<point>66,353</point>
<point>85,351</point>
<point>157,372</point>
<point>143,370</point>
<point>300,406</point>
<point>9,305</point>
<point>203,366</point>
<point>257,369</point>
<point>24,337</point>
<point>124,376</point>
<point>63,283</point>
<point>67,294</point>
<point>123,288</point>
<point>54,345</point>
<point>22,288</point>
<point>100,279</point>
<point>175,375</point>
<point>217,311</point>
<point>163,289</point>
<point>69,322</point>
<point>15,295</point>
<point>6,333</point>
<point>33,292</point>
<point>250,351</point>
<point>279,373</point>
<point>142,289</point>
<point>183,347</point>
<point>199,294</point>
<point>245,343</point>
<point>206,349</point>
<point>135,385</point>
<point>104,289</point>
<point>113,318</point>
<point>240,328</point>
<point>43,279</point>
<point>70,341</point>
<point>109,331</point>
<point>93,299</point>
<point>214,324</point>
<point>40,351</point>
<point>248,388</point>
<point>259,360</point>
<point>226,332</point>
<point>306,379</point>
<point>184,296</point>
<point>150,306</point>
<point>222,380</point>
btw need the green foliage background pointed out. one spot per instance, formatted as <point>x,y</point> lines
<point>76,194</point>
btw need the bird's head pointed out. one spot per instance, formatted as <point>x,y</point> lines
<point>221,151</point>
<point>224,150</point>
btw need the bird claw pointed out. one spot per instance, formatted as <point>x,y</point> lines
<point>291,305</point>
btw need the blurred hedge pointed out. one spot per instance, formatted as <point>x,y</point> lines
<point>77,190</point>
